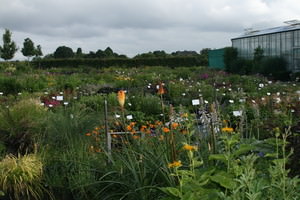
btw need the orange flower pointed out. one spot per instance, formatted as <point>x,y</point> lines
<point>121,98</point>
<point>129,128</point>
<point>190,147</point>
<point>174,125</point>
<point>165,130</point>
<point>132,123</point>
<point>88,134</point>
<point>175,164</point>
<point>227,129</point>
<point>143,128</point>
<point>161,89</point>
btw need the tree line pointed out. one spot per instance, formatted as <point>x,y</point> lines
<point>9,48</point>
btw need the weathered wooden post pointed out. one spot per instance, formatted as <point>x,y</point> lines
<point>108,135</point>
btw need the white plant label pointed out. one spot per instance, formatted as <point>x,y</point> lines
<point>59,98</point>
<point>195,102</point>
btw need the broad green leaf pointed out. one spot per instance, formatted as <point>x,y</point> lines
<point>224,179</point>
<point>198,163</point>
<point>171,191</point>
<point>244,148</point>
<point>220,157</point>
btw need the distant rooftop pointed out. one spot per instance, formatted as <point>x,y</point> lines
<point>292,25</point>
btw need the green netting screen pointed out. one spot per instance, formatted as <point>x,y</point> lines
<point>216,58</point>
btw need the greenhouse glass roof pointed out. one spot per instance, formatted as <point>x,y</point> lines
<point>251,33</point>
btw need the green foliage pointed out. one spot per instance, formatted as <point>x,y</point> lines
<point>63,52</point>
<point>184,61</point>
<point>10,85</point>
<point>275,67</point>
<point>20,125</point>
<point>28,49</point>
<point>20,177</point>
<point>9,48</point>
<point>230,55</point>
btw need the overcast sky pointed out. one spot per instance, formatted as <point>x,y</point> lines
<point>137,26</point>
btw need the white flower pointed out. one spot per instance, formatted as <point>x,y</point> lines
<point>268,93</point>
<point>205,101</point>
<point>231,101</point>
<point>261,85</point>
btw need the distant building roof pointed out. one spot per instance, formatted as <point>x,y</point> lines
<point>293,25</point>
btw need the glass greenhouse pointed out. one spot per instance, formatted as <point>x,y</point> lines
<point>281,41</point>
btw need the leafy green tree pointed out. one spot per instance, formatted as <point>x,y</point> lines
<point>38,51</point>
<point>109,52</point>
<point>258,54</point>
<point>79,53</point>
<point>9,48</point>
<point>63,52</point>
<point>204,56</point>
<point>28,49</point>
<point>230,56</point>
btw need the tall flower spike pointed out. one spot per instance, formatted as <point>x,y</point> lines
<point>161,89</point>
<point>121,98</point>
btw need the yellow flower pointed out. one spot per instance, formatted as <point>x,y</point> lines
<point>190,147</point>
<point>175,164</point>
<point>121,98</point>
<point>227,129</point>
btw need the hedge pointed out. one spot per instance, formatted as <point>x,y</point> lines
<point>121,62</point>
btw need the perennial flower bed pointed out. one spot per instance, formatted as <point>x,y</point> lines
<point>149,133</point>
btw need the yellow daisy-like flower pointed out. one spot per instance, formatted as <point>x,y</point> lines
<point>190,147</point>
<point>227,129</point>
<point>175,164</point>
